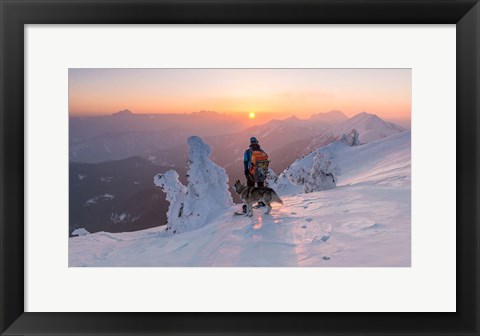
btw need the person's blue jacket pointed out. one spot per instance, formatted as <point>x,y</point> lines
<point>247,159</point>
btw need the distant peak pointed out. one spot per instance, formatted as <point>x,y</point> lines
<point>334,112</point>
<point>365,115</point>
<point>293,117</point>
<point>123,112</point>
<point>333,115</point>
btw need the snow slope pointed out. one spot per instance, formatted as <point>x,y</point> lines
<point>364,221</point>
<point>369,126</point>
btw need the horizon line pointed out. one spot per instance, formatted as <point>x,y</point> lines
<point>236,114</point>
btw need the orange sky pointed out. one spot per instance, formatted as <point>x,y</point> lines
<point>280,92</point>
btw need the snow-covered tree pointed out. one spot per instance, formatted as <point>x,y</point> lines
<point>321,175</point>
<point>352,138</point>
<point>271,178</point>
<point>317,170</point>
<point>207,191</point>
<point>176,192</point>
<point>80,232</point>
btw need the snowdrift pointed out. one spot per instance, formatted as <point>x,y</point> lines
<point>316,171</point>
<point>364,221</point>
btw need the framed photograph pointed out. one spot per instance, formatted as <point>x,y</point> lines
<point>305,167</point>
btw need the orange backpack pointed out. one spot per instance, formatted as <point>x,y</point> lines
<point>259,167</point>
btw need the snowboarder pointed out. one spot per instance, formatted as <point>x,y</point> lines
<point>255,162</point>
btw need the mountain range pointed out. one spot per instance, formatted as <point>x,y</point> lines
<point>369,126</point>
<point>276,137</point>
<point>111,172</point>
<point>124,134</point>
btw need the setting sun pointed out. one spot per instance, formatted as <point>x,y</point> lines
<point>251,115</point>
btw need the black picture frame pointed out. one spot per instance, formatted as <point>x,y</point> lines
<point>17,13</point>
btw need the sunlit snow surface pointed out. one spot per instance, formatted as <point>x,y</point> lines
<point>364,221</point>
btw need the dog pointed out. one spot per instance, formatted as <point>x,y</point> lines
<point>250,195</point>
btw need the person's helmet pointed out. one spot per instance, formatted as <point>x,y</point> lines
<point>253,140</point>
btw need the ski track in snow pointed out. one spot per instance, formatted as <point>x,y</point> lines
<point>364,222</point>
